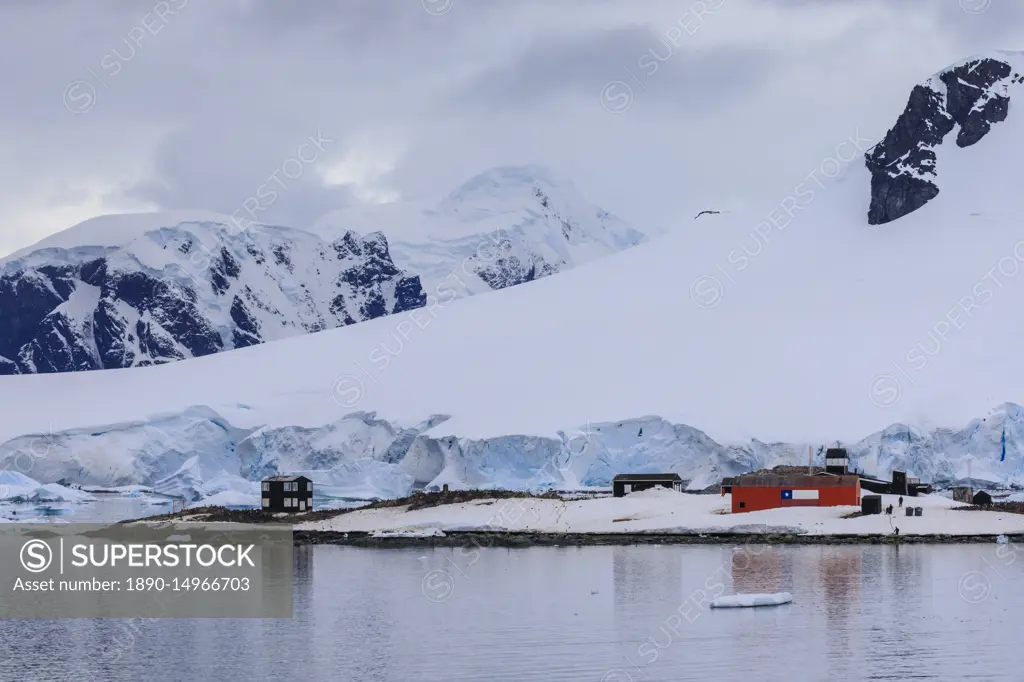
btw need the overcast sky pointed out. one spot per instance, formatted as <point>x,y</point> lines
<point>655,108</point>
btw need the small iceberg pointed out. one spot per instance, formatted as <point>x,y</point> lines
<point>16,486</point>
<point>747,600</point>
<point>1002,540</point>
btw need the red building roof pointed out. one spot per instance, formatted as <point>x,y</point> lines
<point>793,481</point>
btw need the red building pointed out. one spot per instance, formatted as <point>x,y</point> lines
<point>752,492</point>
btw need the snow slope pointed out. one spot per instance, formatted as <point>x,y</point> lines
<point>732,343</point>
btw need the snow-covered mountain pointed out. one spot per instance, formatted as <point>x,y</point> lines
<point>509,225</point>
<point>135,290</point>
<point>188,289</point>
<point>706,352</point>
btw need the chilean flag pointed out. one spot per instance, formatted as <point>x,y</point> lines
<point>799,498</point>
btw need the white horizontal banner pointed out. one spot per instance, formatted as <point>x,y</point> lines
<point>805,494</point>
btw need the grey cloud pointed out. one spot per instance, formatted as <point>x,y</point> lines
<point>982,24</point>
<point>659,66</point>
<point>275,183</point>
<point>204,112</point>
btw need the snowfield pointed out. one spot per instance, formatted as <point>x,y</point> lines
<point>733,343</point>
<point>666,511</point>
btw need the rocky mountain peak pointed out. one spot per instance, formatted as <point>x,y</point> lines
<point>968,98</point>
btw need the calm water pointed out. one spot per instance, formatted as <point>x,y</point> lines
<point>595,613</point>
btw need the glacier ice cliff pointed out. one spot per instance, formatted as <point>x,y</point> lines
<point>197,453</point>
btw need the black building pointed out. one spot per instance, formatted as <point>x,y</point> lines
<point>623,484</point>
<point>837,461</point>
<point>899,483</point>
<point>287,494</point>
<point>981,497</point>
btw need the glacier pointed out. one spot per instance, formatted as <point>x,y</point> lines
<point>199,456</point>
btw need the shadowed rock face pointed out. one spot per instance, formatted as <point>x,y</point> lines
<point>115,312</point>
<point>971,97</point>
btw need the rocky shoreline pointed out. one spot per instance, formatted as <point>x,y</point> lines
<point>482,539</point>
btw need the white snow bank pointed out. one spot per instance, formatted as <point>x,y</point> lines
<point>673,512</point>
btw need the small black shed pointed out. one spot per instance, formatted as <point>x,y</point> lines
<point>623,484</point>
<point>982,497</point>
<point>870,504</point>
<point>287,494</point>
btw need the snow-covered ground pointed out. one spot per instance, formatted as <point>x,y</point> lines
<point>666,510</point>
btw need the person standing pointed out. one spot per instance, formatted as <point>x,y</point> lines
<point>901,501</point>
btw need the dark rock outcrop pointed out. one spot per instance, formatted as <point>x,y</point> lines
<point>972,96</point>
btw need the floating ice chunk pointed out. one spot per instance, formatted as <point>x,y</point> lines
<point>16,485</point>
<point>746,600</point>
<point>52,492</point>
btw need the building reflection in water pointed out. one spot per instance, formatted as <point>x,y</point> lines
<point>757,569</point>
<point>840,585</point>
<point>639,572</point>
<point>840,577</point>
<point>302,571</point>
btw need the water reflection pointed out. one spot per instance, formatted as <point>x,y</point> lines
<point>593,613</point>
<point>758,568</point>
